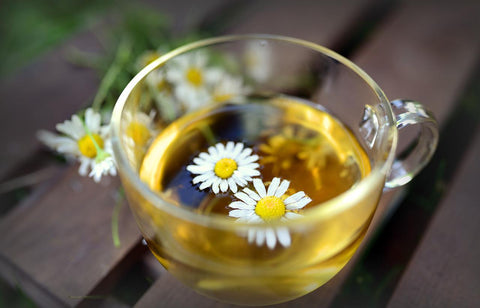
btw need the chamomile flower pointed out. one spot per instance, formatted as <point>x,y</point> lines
<point>86,141</point>
<point>224,167</point>
<point>267,206</point>
<point>191,79</point>
<point>229,88</point>
<point>258,60</point>
<point>140,128</point>
<point>104,164</point>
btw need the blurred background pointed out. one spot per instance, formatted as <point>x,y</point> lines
<point>60,56</point>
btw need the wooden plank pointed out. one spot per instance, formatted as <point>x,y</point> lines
<point>39,96</point>
<point>58,248</point>
<point>414,41</point>
<point>445,269</point>
<point>51,89</point>
<point>322,22</point>
<point>64,241</point>
<point>426,52</point>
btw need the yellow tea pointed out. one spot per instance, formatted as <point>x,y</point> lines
<point>286,138</point>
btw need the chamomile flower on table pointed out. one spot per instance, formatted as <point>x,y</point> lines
<point>87,141</point>
<point>191,78</point>
<point>229,88</point>
<point>224,167</point>
<point>258,60</point>
<point>140,127</point>
<point>266,206</point>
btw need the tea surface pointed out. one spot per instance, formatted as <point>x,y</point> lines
<point>293,139</point>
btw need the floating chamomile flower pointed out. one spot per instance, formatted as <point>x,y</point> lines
<point>267,206</point>
<point>87,141</point>
<point>224,167</point>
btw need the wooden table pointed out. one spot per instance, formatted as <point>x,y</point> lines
<point>422,249</point>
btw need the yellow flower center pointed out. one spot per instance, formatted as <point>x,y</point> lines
<point>220,98</point>
<point>225,167</point>
<point>87,147</point>
<point>162,85</point>
<point>138,132</point>
<point>194,76</point>
<point>152,56</point>
<point>270,208</point>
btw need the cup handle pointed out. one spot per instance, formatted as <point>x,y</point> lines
<point>407,113</point>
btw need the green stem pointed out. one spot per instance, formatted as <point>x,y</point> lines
<point>115,215</point>
<point>123,52</point>
<point>95,144</point>
<point>208,134</point>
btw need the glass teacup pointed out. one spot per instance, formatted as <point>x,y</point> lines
<point>300,111</point>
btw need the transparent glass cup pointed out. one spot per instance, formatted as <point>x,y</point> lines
<point>210,253</point>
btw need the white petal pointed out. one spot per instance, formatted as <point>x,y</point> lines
<point>254,219</point>
<point>239,179</point>
<point>84,164</point>
<point>207,157</point>
<point>199,161</point>
<point>223,185</point>
<point>260,237</point>
<point>241,205</point>
<point>252,194</point>
<point>213,153</point>
<point>258,184</point>
<point>299,204</point>
<point>271,238</point>
<point>221,150</point>
<point>230,146</point>
<point>283,237</point>
<point>232,185</point>
<point>238,148</point>
<point>240,213</point>
<point>92,120</point>
<point>78,125</point>
<point>71,128</point>
<point>247,160</point>
<point>295,197</point>
<point>68,146</point>
<point>248,166</point>
<point>245,198</point>
<point>212,75</point>
<point>174,75</point>
<point>272,188</point>
<point>206,184</point>
<point>292,215</point>
<point>202,177</point>
<point>216,184</point>
<point>199,169</point>
<point>251,235</point>
<point>248,171</point>
<point>246,152</point>
<point>282,189</point>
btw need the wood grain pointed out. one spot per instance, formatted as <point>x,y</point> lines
<point>445,270</point>
<point>64,241</point>
<point>51,89</point>
<point>42,94</point>
<point>58,246</point>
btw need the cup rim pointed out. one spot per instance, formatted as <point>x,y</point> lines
<point>323,210</point>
